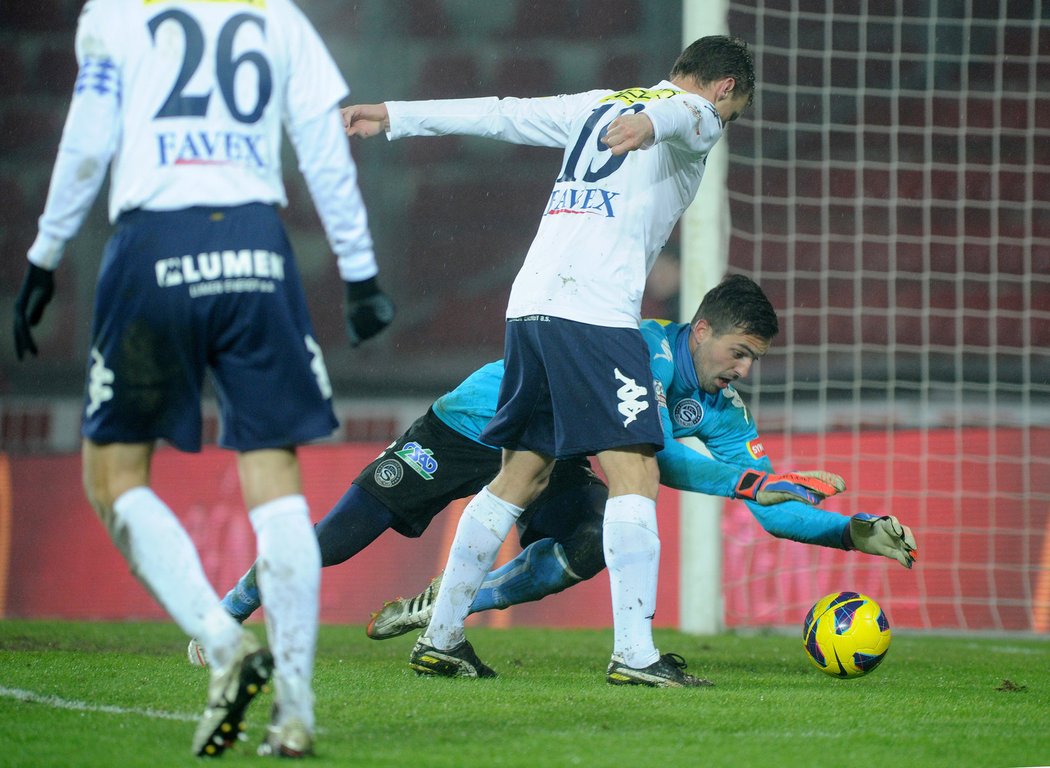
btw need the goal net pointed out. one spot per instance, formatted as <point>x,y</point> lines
<point>889,190</point>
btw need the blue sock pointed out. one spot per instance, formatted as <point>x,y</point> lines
<point>243,600</point>
<point>540,570</point>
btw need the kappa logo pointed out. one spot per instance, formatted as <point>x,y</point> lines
<point>317,366</point>
<point>630,406</point>
<point>665,352</point>
<point>419,458</point>
<point>383,452</point>
<point>99,380</point>
<point>688,412</point>
<point>733,396</point>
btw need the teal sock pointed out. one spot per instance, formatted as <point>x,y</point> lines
<point>540,569</point>
<point>243,600</point>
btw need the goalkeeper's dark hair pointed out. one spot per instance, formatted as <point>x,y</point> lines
<point>738,305</point>
<point>716,57</point>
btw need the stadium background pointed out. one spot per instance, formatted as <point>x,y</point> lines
<point>888,189</point>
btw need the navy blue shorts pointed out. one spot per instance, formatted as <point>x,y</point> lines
<point>574,389</point>
<point>182,292</point>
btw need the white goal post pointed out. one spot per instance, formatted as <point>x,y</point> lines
<point>704,257</point>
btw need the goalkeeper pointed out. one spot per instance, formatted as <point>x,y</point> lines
<point>440,459</point>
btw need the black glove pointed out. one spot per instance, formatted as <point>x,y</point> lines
<point>368,310</point>
<point>38,287</point>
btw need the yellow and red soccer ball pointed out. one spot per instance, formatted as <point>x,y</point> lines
<point>846,634</point>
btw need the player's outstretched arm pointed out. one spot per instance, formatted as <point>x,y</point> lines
<point>766,488</point>
<point>685,469</point>
<point>366,120</point>
<point>883,535</point>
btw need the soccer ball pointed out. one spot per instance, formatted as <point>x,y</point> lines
<point>846,634</point>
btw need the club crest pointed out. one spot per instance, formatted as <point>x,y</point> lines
<point>688,412</point>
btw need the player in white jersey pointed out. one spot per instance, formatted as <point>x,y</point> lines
<point>577,375</point>
<point>184,102</point>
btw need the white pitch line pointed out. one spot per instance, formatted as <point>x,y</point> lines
<point>56,702</point>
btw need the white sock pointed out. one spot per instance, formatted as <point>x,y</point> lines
<point>163,557</point>
<point>632,555</point>
<point>289,576</point>
<point>484,525</point>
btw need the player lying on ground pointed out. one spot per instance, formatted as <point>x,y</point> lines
<point>439,459</point>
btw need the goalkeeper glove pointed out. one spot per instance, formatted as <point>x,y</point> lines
<point>38,287</point>
<point>368,310</point>
<point>766,488</point>
<point>882,535</point>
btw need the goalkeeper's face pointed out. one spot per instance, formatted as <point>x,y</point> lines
<point>721,359</point>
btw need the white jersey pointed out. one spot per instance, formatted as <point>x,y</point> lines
<point>185,101</point>
<point>608,217</point>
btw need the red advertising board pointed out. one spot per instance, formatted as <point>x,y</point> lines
<point>61,563</point>
<point>979,511</point>
<point>978,503</point>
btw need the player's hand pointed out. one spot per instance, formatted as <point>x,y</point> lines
<point>628,132</point>
<point>883,535</point>
<point>368,310</point>
<point>766,488</point>
<point>38,287</point>
<point>365,120</point>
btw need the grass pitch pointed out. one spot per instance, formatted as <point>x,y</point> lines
<point>94,694</point>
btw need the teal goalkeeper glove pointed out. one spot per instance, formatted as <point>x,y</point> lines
<point>882,535</point>
<point>766,488</point>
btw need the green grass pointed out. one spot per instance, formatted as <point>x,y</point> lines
<point>935,701</point>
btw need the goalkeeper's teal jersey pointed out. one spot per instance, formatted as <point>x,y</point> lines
<point>471,405</point>
<point>724,425</point>
<point>720,421</point>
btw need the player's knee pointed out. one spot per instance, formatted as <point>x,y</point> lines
<point>523,477</point>
<point>109,471</point>
<point>631,471</point>
<point>268,474</point>
<point>99,492</point>
<point>99,499</point>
